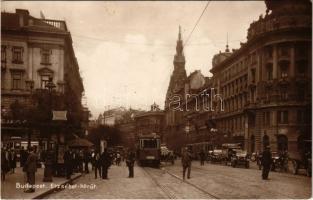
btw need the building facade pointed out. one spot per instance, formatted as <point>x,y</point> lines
<point>262,89</point>
<point>39,74</point>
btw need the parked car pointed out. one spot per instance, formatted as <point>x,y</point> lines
<point>216,155</point>
<point>228,151</point>
<point>240,158</point>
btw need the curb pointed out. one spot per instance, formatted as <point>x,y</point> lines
<point>42,195</point>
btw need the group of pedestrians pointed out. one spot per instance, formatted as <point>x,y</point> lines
<point>186,159</point>
<point>8,162</point>
<point>102,162</point>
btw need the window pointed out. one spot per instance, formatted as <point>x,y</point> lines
<point>267,118</point>
<point>17,55</point>
<point>16,80</point>
<point>284,69</point>
<point>3,53</point>
<point>269,72</point>
<point>282,117</point>
<point>300,116</point>
<point>252,75</point>
<point>45,56</point>
<point>44,81</point>
<point>284,94</point>
<point>2,79</point>
<point>284,51</point>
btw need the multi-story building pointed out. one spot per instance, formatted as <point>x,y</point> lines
<point>150,122</point>
<point>37,55</point>
<point>264,87</point>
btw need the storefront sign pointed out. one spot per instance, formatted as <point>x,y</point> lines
<point>59,115</point>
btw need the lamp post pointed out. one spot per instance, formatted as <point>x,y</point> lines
<point>49,155</point>
<point>30,85</point>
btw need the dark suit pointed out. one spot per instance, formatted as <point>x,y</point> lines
<point>31,168</point>
<point>266,163</point>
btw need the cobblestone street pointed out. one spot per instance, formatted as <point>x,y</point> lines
<point>209,181</point>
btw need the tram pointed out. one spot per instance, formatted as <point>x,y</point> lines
<point>149,150</point>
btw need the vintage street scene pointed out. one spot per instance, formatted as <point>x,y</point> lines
<point>156,99</point>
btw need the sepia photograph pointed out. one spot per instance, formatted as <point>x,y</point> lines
<point>156,99</point>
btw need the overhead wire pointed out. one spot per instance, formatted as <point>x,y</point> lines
<point>196,23</point>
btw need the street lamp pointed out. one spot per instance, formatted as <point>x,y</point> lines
<point>30,86</point>
<point>49,155</point>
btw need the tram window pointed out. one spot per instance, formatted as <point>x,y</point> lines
<point>150,144</point>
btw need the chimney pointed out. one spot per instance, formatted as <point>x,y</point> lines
<point>23,15</point>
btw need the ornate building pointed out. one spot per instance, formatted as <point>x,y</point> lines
<point>150,122</point>
<point>39,73</point>
<point>265,85</point>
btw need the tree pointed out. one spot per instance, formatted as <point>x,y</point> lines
<point>111,134</point>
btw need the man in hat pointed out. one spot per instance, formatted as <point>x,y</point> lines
<point>266,162</point>
<point>186,162</point>
<point>30,168</point>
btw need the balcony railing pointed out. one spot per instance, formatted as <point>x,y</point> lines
<point>56,23</point>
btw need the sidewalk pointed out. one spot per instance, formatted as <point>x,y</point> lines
<point>10,189</point>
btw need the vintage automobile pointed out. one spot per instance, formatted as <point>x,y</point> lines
<point>216,156</point>
<point>240,157</point>
<point>228,150</point>
<point>167,155</point>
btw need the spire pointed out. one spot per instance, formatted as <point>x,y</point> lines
<point>179,57</point>
<point>227,50</point>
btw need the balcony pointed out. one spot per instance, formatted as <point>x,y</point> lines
<point>56,23</point>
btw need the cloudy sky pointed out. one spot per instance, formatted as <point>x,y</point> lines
<point>125,50</point>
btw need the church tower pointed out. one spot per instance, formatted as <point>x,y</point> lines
<point>179,76</point>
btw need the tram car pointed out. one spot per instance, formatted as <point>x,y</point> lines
<point>149,150</point>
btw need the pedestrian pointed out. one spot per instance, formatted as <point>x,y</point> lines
<point>186,162</point>
<point>130,161</point>
<point>23,157</point>
<point>12,161</point>
<point>86,160</point>
<point>202,157</point>
<point>4,164</point>
<point>266,162</point>
<point>68,163</point>
<point>118,158</point>
<point>80,160</point>
<point>105,161</point>
<point>97,164</point>
<point>30,168</point>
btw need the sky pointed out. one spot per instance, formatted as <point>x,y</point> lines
<point>125,49</point>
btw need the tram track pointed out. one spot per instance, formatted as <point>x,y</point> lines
<point>165,190</point>
<point>193,185</point>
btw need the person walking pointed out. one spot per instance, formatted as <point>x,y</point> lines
<point>30,168</point>
<point>86,161</point>
<point>12,160</point>
<point>202,157</point>
<point>130,161</point>
<point>118,158</point>
<point>186,162</point>
<point>105,163</point>
<point>23,157</point>
<point>266,162</point>
<point>97,164</point>
<point>68,163</point>
<point>4,164</point>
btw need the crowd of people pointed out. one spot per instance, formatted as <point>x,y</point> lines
<point>75,160</point>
